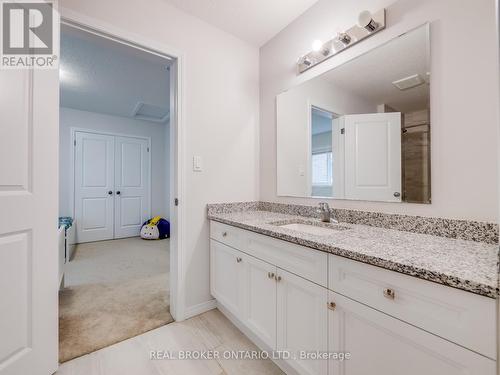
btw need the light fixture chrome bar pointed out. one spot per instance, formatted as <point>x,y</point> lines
<point>366,27</point>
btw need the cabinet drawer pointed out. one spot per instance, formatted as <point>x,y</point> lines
<point>459,316</point>
<point>307,263</point>
<point>227,234</point>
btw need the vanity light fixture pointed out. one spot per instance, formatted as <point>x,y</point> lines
<point>368,24</point>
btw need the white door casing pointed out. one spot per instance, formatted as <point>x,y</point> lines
<point>373,157</point>
<point>29,112</point>
<point>94,186</point>
<point>132,185</point>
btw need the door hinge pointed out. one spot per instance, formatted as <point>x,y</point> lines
<point>176,201</point>
<point>148,149</point>
<point>342,131</point>
<point>74,142</point>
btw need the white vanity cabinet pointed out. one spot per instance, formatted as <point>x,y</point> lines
<point>381,344</point>
<point>302,321</point>
<point>259,294</point>
<point>306,302</point>
<point>226,276</point>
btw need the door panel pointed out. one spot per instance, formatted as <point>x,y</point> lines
<point>29,111</point>
<point>302,321</point>
<point>380,344</point>
<point>132,185</point>
<point>260,299</point>
<point>226,277</point>
<point>373,156</point>
<point>94,179</point>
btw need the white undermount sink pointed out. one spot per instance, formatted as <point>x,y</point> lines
<point>318,230</point>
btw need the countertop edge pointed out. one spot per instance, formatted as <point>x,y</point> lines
<point>424,274</point>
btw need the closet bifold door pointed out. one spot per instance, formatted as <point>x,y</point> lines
<point>132,185</point>
<point>94,186</point>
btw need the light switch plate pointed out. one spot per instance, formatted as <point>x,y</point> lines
<point>197,164</point>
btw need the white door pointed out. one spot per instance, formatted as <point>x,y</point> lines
<point>380,344</point>
<point>29,110</point>
<point>302,318</point>
<point>373,156</point>
<point>94,186</point>
<point>259,291</point>
<point>226,277</point>
<point>132,185</point>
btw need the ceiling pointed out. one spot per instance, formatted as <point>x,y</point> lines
<point>255,21</point>
<point>370,76</point>
<point>104,76</point>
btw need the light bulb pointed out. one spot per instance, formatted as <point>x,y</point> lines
<point>317,45</point>
<point>366,21</point>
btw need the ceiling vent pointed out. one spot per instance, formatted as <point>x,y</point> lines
<point>149,112</point>
<point>409,82</point>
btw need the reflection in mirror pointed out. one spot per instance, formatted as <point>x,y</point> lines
<point>361,130</point>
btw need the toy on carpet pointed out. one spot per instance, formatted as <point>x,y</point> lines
<point>156,228</point>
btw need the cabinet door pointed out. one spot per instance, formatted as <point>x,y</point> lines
<point>302,317</point>
<point>259,292</point>
<point>380,344</point>
<point>226,277</point>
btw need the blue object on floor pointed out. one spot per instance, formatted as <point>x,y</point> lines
<point>65,221</point>
<point>156,228</point>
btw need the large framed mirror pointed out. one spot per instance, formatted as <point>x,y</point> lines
<point>360,131</point>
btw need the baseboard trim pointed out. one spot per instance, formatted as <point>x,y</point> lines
<point>200,308</point>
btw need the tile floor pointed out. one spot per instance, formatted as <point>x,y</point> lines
<point>208,331</point>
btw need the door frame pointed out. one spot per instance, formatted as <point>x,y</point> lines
<point>72,166</point>
<point>177,140</point>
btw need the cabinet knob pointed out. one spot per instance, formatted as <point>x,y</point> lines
<point>277,278</point>
<point>270,275</point>
<point>224,234</point>
<point>331,305</point>
<point>389,293</point>
<point>238,259</point>
<point>110,192</point>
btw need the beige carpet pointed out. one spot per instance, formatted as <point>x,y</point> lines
<point>95,315</point>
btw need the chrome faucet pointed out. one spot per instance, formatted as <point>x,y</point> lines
<point>325,215</point>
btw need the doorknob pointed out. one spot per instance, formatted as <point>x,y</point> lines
<point>110,192</point>
<point>118,192</point>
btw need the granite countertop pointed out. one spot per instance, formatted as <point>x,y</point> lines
<point>467,265</point>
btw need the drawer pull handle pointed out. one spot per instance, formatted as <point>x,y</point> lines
<point>277,278</point>
<point>224,234</point>
<point>238,260</point>
<point>389,293</point>
<point>331,305</point>
<point>270,275</point>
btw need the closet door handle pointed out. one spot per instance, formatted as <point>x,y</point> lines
<point>118,192</point>
<point>110,192</point>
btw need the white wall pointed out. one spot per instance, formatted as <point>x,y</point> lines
<point>222,113</point>
<point>105,123</point>
<point>464,96</point>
